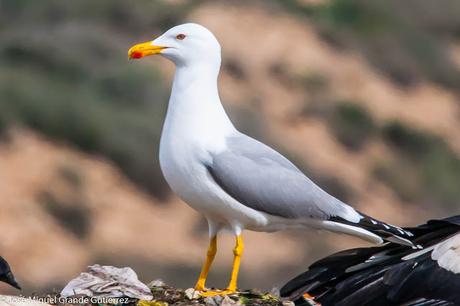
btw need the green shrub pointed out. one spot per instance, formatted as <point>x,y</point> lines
<point>119,15</point>
<point>3,125</point>
<point>402,177</point>
<point>71,176</point>
<point>411,33</point>
<point>352,125</point>
<point>234,68</point>
<point>75,217</point>
<point>424,169</point>
<point>366,17</point>
<point>409,141</point>
<point>313,82</point>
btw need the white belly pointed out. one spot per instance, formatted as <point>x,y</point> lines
<point>196,127</point>
<point>183,162</point>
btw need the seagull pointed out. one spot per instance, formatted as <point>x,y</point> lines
<point>235,181</point>
<point>6,275</point>
<point>389,274</point>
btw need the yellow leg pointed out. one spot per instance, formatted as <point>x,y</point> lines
<point>237,252</point>
<point>212,250</point>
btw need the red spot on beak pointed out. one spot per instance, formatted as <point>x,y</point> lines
<point>136,54</point>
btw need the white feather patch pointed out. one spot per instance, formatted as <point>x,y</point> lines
<point>447,254</point>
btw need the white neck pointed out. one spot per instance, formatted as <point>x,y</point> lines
<point>195,110</point>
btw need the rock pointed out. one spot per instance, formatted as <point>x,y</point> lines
<point>210,301</point>
<point>192,294</point>
<point>218,299</point>
<point>227,301</point>
<point>156,283</point>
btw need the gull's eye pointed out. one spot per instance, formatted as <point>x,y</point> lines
<point>180,37</point>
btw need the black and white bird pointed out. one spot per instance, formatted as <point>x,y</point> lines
<point>390,274</point>
<point>6,275</point>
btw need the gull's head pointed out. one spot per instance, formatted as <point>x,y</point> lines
<point>184,44</point>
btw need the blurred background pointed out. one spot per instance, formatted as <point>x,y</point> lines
<point>363,95</point>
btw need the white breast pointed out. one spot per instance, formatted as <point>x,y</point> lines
<point>196,127</point>
<point>180,163</point>
<point>187,143</point>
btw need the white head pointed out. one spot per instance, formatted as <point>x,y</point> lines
<point>187,44</point>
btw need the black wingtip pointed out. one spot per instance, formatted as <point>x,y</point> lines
<point>384,230</point>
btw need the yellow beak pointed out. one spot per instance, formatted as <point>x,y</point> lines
<point>144,49</point>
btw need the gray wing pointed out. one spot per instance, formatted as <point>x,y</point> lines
<point>261,178</point>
